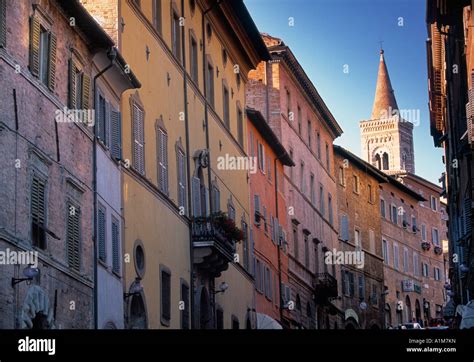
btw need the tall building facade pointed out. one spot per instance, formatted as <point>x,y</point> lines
<point>50,55</point>
<point>268,224</point>
<point>282,92</point>
<point>181,268</point>
<point>450,47</point>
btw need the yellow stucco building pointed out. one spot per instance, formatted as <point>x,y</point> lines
<point>192,58</point>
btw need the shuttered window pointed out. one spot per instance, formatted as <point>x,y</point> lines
<point>138,156</point>
<point>196,191</point>
<point>185,310</point>
<point>101,234</point>
<point>116,134</point>
<point>102,118</point>
<point>115,245</point>
<point>79,87</point>
<point>225,101</point>
<point>181,179</point>
<point>73,236</point>
<point>344,233</point>
<point>216,198</point>
<point>38,213</point>
<point>193,62</point>
<point>157,15</point>
<point>43,44</point>
<point>176,36</point>
<point>245,245</point>
<point>240,126</point>
<point>3,23</point>
<point>210,84</point>
<point>165,297</point>
<point>162,145</point>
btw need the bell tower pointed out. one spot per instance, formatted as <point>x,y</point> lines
<point>387,138</point>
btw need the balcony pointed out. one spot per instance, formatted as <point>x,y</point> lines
<point>325,286</point>
<point>213,249</point>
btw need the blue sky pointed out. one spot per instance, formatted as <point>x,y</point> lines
<point>328,34</point>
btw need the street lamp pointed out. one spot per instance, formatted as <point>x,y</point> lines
<point>135,289</point>
<point>29,272</point>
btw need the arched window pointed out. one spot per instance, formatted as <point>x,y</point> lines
<point>378,161</point>
<point>385,161</point>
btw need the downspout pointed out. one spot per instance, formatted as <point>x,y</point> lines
<point>206,123</point>
<point>278,243</point>
<point>188,172</point>
<point>112,54</point>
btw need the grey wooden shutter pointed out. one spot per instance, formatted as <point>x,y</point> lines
<point>107,122</point>
<point>73,237</point>
<point>3,23</point>
<point>138,137</point>
<point>38,201</point>
<point>164,146</point>
<point>72,85</point>
<point>52,61</point>
<point>35,33</point>
<point>101,225</point>
<point>116,134</point>
<point>115,246</point>
<point>181,180</point>
<point>196,191</point>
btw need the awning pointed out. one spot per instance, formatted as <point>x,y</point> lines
<point>468,316</point>
<point>350,313</point>
<point>266,322</point>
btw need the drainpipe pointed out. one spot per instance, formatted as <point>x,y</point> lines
<point>278,243</point>
<point>206,123</point>
<point>112,54</point>
<point>188,172</point>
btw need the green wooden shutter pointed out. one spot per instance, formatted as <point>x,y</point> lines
<point>35,33</point>
<point>116,134</point>
<point>72,84</point>
<point>38,201</point>
<point>86,86</point>
<point>73,237</point>
<point>138,119</point>
<point>3,23</point>
<point>52,61</point>
<point>101,225</point>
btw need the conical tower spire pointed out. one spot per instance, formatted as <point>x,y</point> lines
<point>384,103</point>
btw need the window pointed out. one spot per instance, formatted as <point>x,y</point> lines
<point>295,242</point>
<point>371,195</point>
<point>309,133</point>
<point>302,188</point>
<point>357,239</point>
<point>3,23</point>
<point>162,151</point>
<point>157,15</point>
<point>434,203</point>
<point>116,134</point>
<point>385,249</point>
<point>216,197</point>
<point>256,200</point>
<point>435,236</point>
<point>225,101</point>
<point>115,245</point>
<point>165,283</point>
<point>38,212</point>
<point>240,126</point>
<point>258,277</point>
<point>348,284</point>
<point>342,176</point>
<point>79,87</point>
<point>394,214</point>
<point>414,226</point>
<point>355,184</point>
<point>101,118</point>
<point>416,265</point>
<point>361,287</point>
<point>395,256</point>
<point>261,156</point>
<point>185,301</point>
<point>382,208</point>
<point>245,244</point>
<point>73,236</point>
<point>181,179</point>
<point>385,161</point>
<point>437,274</point>
<point>224,57</point>
<point>176,36</point>
<point>210,83</point>
<point>231,211</point>
<point>372,241</point>
<point>405,260</point>
<point>425,270</point>
<point>423,232</point>
<point>344,233</point>
<point>312,190</point>
<point>321,199</point>
<point>330,209</point>
<point>306,250</point>
<point>265,225</point>
<point>138,136</point>
<point>374,296</point>
<point>193,61</point>
<point>291,168</point>
<point>288,104</point>
<point>269,167</point>
<point>44,56</point>
<point>318,144</point>
<point>101,226</point>
<point>328,164</point>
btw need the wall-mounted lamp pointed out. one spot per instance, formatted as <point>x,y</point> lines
<point>29,272</point>
<point>222,288</point>
<point>135,289</point>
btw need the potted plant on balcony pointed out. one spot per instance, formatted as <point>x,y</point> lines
<point>438,250</point>
<point>227,225</point>
<point>425,245</point>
